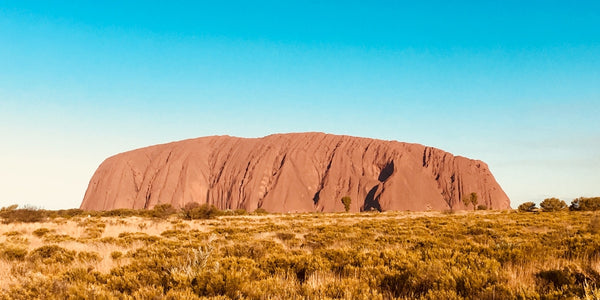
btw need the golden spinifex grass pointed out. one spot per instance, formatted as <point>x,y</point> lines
<point>467,255</point>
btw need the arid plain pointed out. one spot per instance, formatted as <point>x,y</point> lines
<point>207,253</point>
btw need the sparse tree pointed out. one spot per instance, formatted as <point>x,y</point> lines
<point>553,204</point>
<point>346,200</point>
<point>474,199</point>
<point>471,199</point>
<point>162,211</point>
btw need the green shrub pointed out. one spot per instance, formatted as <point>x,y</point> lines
<point>127,238</point>
<point>121,212</point>
<point>558,278</point>
<point>240,212</point>
<point>231,277</point>
<point>69,213</point>
<point>13,253</point>
<point>585,204</point>
<point>553,204</point>
<point>260,211</point>
<point>566,282</point>
<point>193,211</point>
<point>13,233</point>
<point>527,207</point>
<point>163,211</point>
<point>57,238</point>
<point>40,232</point>
<point>52,254</point>
<point>87,256</point>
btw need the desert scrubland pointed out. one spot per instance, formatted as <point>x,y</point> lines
<point>165,254</point>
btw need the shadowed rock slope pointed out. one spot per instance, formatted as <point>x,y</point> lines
<point>300,172</point>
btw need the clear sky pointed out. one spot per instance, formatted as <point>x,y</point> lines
<point>513,83</point>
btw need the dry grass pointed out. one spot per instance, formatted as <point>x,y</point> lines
<point>408,255</point>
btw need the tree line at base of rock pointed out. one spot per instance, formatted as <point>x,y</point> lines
<point>555,204</point>
<point>193,210</point>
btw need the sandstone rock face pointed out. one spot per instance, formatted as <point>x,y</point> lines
<point>298,172</point>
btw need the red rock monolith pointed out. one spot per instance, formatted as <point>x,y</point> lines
<point>296,172</point>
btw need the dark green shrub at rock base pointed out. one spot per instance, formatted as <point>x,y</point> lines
<point>260,211</point>
<point>69,213</point>
<point>193,211</point>
<point>162,211</point>
<point>120,212</point>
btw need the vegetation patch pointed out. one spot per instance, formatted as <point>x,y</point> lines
<point>476,254</point>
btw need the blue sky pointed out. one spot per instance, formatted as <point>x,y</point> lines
<point>513,83</point>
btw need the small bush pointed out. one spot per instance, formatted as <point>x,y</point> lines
<point>527,207</point>
<point>57,238</point>
<point>69,213</point>
<point>482,207</point>
<point>163,211</point>
<point>260,211</point>
<point>52,254</point>
<point>13,253</point>
<point>86,256</point>
<point>116,255</point>
<point>193,211</point>
<point>120,212</point>
<point>240,212</point>
<point>553,204</point>
<point>566,279</point>
<point>40,232</point>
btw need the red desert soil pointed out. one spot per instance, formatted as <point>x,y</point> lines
<point>296,172</point>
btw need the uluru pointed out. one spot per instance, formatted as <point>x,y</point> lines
<point>295,172</point>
